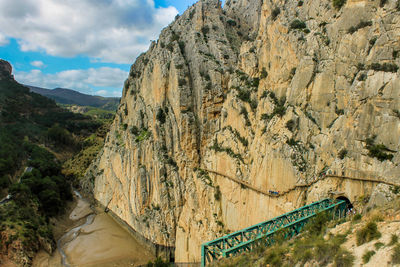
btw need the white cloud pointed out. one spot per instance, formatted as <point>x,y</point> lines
<point>3,40</point>
<point>38,64</point>
<point>81,80</point>
<point>101,92</point>
<point>108,30</point>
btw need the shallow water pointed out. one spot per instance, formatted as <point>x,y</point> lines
<point>96,240</point>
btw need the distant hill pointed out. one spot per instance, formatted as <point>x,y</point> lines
<point>71,97</point>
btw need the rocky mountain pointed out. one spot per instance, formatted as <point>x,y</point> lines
<point>239,114</point>
<point>5,69</point>
<point>72,97</point>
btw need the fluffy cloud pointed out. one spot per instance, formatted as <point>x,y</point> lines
<point>3,40</point>
<point>106,30</point>
<point>80,80</point>
<point>38,64</point>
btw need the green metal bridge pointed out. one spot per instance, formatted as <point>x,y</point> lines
<point>263,233</point>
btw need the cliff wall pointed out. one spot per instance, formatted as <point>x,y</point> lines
<point>276,94</point>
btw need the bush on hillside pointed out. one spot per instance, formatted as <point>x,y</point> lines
<point>367,233</point>
<point>338,3</point>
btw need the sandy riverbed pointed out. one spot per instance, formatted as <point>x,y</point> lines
<point>101,243</point>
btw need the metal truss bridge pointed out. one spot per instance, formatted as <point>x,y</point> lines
<point>289,224</point>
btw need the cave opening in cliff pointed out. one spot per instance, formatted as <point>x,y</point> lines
<point>349,206</point>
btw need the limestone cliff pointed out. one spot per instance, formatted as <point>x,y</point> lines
<point>232,103</point>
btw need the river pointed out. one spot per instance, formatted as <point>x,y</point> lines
<point>91,237</point>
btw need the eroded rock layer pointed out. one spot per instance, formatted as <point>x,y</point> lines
<point>277,95</point>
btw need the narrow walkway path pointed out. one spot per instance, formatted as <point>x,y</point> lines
<point>298,186</point>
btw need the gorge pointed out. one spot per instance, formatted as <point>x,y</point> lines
<point>298,98</point>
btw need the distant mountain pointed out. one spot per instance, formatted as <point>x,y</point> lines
<point>71,97</point>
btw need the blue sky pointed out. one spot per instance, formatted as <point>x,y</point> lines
<point>85,45</point>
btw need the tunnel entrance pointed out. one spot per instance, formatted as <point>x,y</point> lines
<point>349,206</point>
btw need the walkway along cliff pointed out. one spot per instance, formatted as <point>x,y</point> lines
<point>275,94</point>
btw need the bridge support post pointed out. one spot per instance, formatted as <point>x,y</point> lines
<point>203,256</point>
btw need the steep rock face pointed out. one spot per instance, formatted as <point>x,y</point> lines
<point>275,95</point>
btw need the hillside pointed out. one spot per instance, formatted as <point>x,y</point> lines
<point>369,240</point>
<point>230,103</point>
<point>71,97</point>
<point>36,136</point>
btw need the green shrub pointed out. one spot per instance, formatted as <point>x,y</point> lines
<point>394,239</point>
<point>360,66</point>
<point>218,148</point>
<point>205,30</point>
<point>338,3</point>
<point>291,142</point>
<point>265,94</point>
<point>373,41</point>
<point>265,116</point>
<point>317,224</point>
<point>135,130</point>
<point>182,82</point>
<point>398,5</point>
<point>243,111</point>
<point>382,3</point>
<point>344,258</point>
<point>274,256</point>
<point>362,77</point>
<point>377,150</point>
<point>360,25</point>
<point>231,23</point>
<point>297,25</point>
<point>144,134</point>
<point>170,47</point>
<point>158,263</point>
<point>367,233</point>
<point>264,73</point>
<point>395,189</point>
<point>4,181</point>
<point>275,13</point>
<point>253,104</point>
<point>255,82</point>
<point>367,256</point>
<point>386,67</point>
<point>244,95</point>
<point>378,245</point>
<point>357,217</point>
<point>174,37</point>
<point>217,193</point>
<point>342,153</point>
<point>396,255</point>
<point>291,125</point>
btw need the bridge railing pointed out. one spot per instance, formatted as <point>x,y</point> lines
<point>247,238</point>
